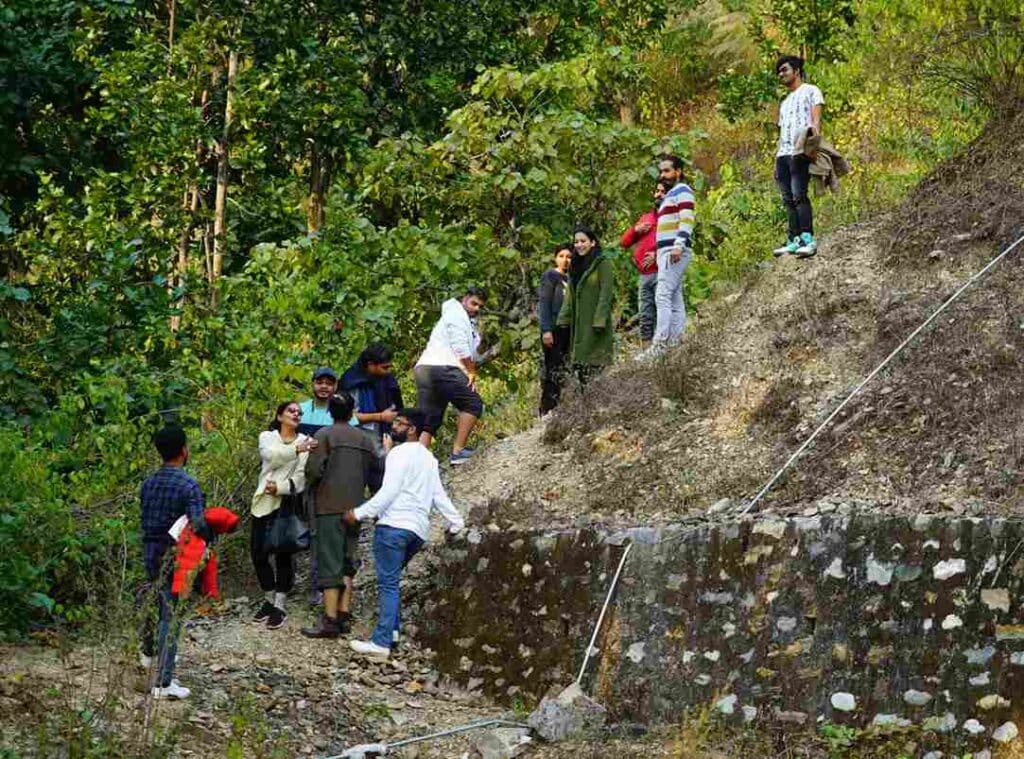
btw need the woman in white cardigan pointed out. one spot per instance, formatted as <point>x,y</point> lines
<point>283,452</point>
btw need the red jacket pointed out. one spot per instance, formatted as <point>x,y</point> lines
<point>192,548</point>
<point>644,245</point>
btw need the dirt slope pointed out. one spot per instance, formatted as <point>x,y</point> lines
<point>762,365</point>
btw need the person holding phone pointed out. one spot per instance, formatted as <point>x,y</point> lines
<point>372,383</point>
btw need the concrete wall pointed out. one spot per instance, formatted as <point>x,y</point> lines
<point>854,619</point>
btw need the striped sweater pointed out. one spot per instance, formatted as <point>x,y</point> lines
<point>676,219</point>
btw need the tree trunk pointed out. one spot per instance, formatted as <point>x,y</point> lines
<point>223,168</point>
<point>190,205</point>
<point>627,109</point>
<point>172,16</point>
<point>319,180</point>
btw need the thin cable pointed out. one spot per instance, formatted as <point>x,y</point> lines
<point>879,368</point>
<point>382,749</point>
<point>600,619</point>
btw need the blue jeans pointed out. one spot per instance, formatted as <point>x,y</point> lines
<point>158,560</point>
<point>393,547</point>
<point>793,176</point>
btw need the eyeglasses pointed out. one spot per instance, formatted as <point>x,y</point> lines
<point>296,411</point>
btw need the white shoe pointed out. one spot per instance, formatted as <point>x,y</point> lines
<point>145,661</point>
<point>174,690</point>
<point>369,648</point>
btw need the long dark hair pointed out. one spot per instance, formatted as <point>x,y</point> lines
<point>580,264</point>
<point>275,424</point>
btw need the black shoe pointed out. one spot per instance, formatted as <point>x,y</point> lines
<point>344,623</point>
<point>264,612</point>
<point>276,618</point>
<point>326,628</point>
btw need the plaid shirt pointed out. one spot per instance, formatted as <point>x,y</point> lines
<point>166,496</point>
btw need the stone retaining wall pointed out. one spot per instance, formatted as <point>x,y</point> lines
<point>857,620</point>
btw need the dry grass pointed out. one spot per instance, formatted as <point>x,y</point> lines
<point>762,366</point>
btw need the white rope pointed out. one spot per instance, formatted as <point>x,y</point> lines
<point>899,349</point>
<point>600,619</point>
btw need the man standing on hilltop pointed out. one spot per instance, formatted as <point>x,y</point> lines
<point>799,116</point>
<point>675,249</point>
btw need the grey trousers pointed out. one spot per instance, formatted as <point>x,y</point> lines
<point>648,308</point>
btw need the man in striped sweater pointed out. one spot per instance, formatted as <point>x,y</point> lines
<point>675,249</point>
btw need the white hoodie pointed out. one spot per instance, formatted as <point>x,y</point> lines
<point>454,337</point>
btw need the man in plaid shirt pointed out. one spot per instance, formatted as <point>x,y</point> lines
<point>166,496</point>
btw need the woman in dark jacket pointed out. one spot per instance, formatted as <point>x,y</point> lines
<point>587,308</point>
<point>554,339</point>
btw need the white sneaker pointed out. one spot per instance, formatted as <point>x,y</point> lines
<point>790,247</point>
<point>145,661</point>
<point>174,690</point>
<point>808,246</point>
<point>369,648</point>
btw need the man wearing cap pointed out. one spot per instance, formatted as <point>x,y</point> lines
<point>316,415</point>
<point>316,411</point>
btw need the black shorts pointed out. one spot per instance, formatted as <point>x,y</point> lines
<point>437,386</point>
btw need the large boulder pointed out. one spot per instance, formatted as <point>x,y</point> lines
<point>570,714</point>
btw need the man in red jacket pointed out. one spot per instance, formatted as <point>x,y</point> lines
<point>644,235</point>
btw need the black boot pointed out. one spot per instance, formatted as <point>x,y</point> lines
<point>326,628</point>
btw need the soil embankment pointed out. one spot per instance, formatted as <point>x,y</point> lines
<point>941,430</point>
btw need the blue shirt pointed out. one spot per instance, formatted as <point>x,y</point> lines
<point>166,496</point>
<point>314,419</point>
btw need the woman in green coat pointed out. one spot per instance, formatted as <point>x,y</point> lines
<point>587,307</point>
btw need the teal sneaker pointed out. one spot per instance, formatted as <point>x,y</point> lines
<point>808,246</point>
<point>790,247</point>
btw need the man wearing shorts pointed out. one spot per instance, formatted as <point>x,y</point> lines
<point>343,466</point>
<point>446,371</point>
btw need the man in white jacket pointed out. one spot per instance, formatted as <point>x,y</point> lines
<point>446,371</point>
<point>412,487</point>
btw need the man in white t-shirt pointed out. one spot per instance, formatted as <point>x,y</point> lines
<point>799,115</point>
<point>412,489</point>
<point>446,371</point>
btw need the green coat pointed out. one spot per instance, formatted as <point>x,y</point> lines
<point>587,312</point>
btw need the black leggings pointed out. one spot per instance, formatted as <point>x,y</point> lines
<point>280,577</point>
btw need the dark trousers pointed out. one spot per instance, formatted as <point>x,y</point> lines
<point>552,370</point>
<point>160,638</point>
<point>793,176</point>
<point>586,372</point>
<point>281,576</point>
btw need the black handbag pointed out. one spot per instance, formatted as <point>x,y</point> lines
<point>287,533</point>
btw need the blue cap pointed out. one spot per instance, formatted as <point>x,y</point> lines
<point>324,371</point>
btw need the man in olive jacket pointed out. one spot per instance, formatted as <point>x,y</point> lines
<point>587,307</point>
<point>338,472</point>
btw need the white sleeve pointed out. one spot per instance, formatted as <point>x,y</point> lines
<point>816,97</point>
<point>394,468</point>
<point>458,332</point>
<point>444,504</point>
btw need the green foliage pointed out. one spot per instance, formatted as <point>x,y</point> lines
<point>377,161</point>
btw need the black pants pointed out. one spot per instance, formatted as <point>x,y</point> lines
<point>586,372</point>
<point>793,176</point>
<point>552,370</point>
<point>281,576</point>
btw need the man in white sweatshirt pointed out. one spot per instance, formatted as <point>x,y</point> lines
<point>446,371</point>
<point>412,487</point>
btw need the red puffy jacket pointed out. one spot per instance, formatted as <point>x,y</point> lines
<point>644,243</point>
<point>192,549</point>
